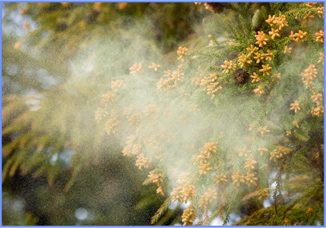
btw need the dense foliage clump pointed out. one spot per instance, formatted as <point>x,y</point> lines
<point>227,127</point>
<point>235,123</point>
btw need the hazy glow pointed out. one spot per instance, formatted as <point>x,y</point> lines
<point>81,214</point>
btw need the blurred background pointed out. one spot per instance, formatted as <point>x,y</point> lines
<point>59,167</point>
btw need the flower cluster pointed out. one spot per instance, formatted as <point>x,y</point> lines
<point>176,194</point>
<point>136,68</point>
<point>266,70</point>
<point>317,98</point>
<point>262,151</point>
<point>259,57</point>
<point>255,77</point>
<point>228,67</point>
<point>172,79</point>
<point>251,178</point>
<point>287,50</point>
<point>308,15</point>
<point>108,98</point>
<point>250,164</point>
<point>142,161</point>
<point>274,33</point>
<point>320,36</point>
<point>244,152</point>
<point>117,84</point>
<point>237,178</point>
<point>261,39</point>
<point>259,90</point>
<point>213,88</point>
<point>209,149</point>
<point>134,119</point>
<point>321,58</point>
<point>276,78</point>
<point>157,178</point>
<point>299,36</point>
<point>154,66</point>
<point>183,193</point>
<point>295,106</point>
<point>279,21</point>
<point>295,124</point>
<point>220,179</point>
<point>320,12</point>
<point>269,55</point>
<point>182,52</point>
<point>263,130</point>
<point>204,167</point>
<point>205,154</point>
<point>308,75</point>
<point>188,192</point>
<point>111,125</point>
<point>189,215</point>
<point>279,152</point>
<point>211,84</point>
<point>244,60</point>
<point>252,49</point>
<point>313,5</point>
<point>319,111</point>
<point>207,198</point>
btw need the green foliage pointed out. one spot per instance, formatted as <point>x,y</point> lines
<point>170,23</point>
<point>298,212</point>
<point>161,211</point>
<point>229,126</point>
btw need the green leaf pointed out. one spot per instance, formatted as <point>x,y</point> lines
<point>161,210</point>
